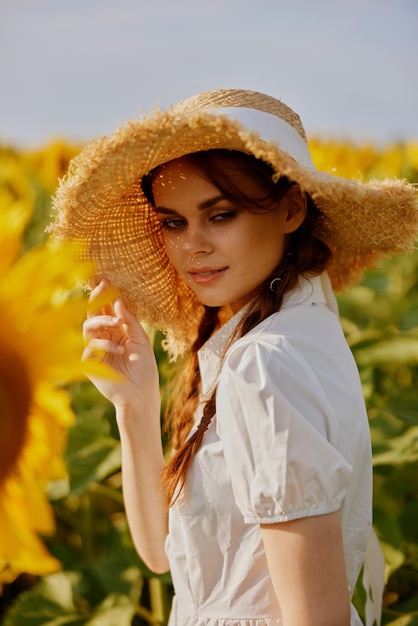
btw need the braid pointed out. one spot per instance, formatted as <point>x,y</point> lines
<point>175,472</point>
<point>184,398</point>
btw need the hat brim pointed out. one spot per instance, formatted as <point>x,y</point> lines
<point>101,204</point>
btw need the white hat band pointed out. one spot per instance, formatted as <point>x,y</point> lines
<point>271,128</point>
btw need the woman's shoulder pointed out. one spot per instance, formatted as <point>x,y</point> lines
<point>295,328</point>
<point>300,343</point>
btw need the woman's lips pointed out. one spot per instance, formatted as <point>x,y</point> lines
<point>206,275</point>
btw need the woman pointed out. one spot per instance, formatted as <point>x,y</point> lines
<point>213,224</point>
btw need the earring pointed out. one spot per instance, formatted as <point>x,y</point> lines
<point>272,283</point>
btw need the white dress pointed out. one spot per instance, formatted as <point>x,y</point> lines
<point>290,439</point>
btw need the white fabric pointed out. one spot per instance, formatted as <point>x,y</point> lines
<point>290,439</point>
<point>272,128</point>
<point>374,581</point>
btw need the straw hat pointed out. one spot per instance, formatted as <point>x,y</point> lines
<point>101,202</point>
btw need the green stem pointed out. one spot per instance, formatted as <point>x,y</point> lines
<point>108,492</point>
<point>146,615</point>
<point>70,518</point>
<point>159,600</point>
<point>86,526</point>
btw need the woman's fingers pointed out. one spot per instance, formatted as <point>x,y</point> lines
<point>111,330</point>
<point>134,329</point>
<point>97,346</point>
<point>99,339</point>
<point>100,300</point>
<point>100,324</point>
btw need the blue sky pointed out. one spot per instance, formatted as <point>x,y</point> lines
<point>78,68</point>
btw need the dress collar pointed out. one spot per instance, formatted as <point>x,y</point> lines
<point>211,353</point>
<point>315,290</point>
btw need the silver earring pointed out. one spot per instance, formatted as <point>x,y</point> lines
<point>272,283</point>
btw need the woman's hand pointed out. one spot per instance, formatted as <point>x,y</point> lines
<point>114,336</point>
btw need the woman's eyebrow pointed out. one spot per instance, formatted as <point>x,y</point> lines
<point>206,204</point>
<point>165,211</point>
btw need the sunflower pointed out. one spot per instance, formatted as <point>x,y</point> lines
<point>40,348</point>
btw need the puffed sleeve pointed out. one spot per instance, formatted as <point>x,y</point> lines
<point>275,426</point>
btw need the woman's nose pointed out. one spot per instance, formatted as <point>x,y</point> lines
<point>196,241</point>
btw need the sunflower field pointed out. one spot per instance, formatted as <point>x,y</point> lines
<point>66,555</point>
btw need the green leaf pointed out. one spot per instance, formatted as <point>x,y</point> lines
<point>115,610</point>
<point>121,560</point>
<point>119,568</point>
<point>54,602</point>
<point>50,603</point>
<point>400,450</point>
<point>405,405</point>
<point>92,453</point>
<point>399,350</point>
<point>386,517</point>
<point>404,620</point>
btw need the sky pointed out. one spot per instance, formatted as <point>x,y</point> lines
<point>77,69</point>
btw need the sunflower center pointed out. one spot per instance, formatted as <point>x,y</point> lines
<point>15,401</point>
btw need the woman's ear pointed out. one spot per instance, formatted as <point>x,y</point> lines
<point>294,207</point>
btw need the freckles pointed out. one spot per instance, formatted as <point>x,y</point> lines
<point>168,181</point>
<point>173,247</point>
<point>172,241</point>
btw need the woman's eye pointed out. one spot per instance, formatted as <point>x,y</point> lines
<point>221,217</point>
<point>172,224</point>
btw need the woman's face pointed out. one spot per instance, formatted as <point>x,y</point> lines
<point>221,250</point>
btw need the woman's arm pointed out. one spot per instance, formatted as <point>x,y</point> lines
<point>306,563</point>
<point>142,465</point>
<point>114,336</point>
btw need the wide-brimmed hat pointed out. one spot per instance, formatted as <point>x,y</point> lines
<point>101,204</point>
